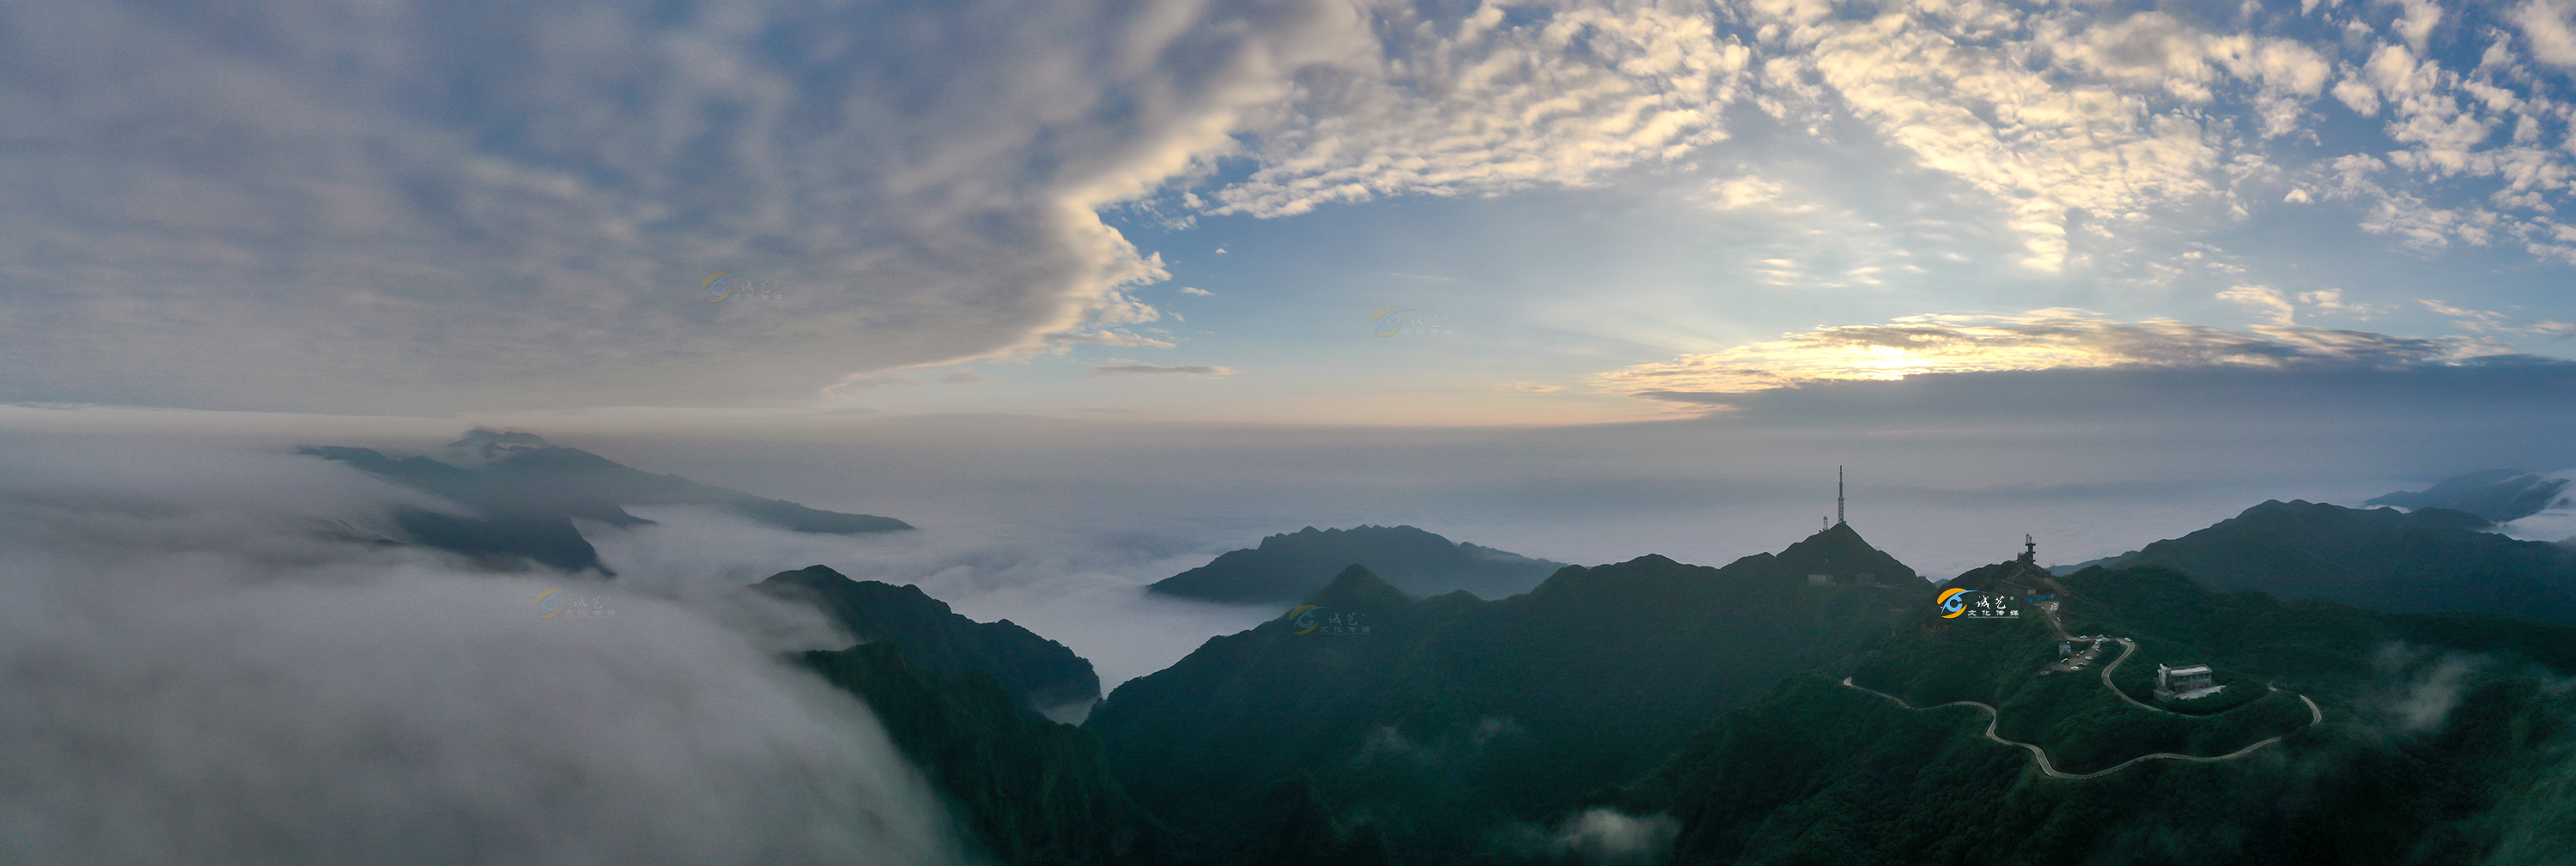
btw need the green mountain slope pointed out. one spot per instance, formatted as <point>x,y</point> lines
<point>1024,790</point>
<point>1039,674</point>
<point>2446,738</point>
<point>1288,567</point>
<point>1446,719</point>
<point>2382,559</point>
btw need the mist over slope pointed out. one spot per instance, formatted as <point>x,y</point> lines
<point>195,676</point>
<point>2498,495</point>
<point>525,494</point>
<point>1039,674</point>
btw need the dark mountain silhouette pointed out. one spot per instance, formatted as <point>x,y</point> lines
<point>1287,567</point>
<point>525,494</point>
<point>1450,716</point>
<point>2499,495</point>
<point>1038,673</point>
<point>2443,741</point>
<point>1839,552</point>
<point>1021,788</point>
<point>2381,558</point>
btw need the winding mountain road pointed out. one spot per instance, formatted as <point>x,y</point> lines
<point>2046,766</point>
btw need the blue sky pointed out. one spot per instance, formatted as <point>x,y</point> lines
<point>1191,211</point>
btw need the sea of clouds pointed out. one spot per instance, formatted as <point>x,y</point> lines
<point>195,676</point>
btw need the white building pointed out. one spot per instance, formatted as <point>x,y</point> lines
<point>2183,683</point>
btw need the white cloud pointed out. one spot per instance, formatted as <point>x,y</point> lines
<point>2546,24</point>
<point>1194,290</point>
<point>196,676</point>
<point>1750,192</point>
<point>2264,299</point>
<point>1477,104</point>
<point>1157,370</point>
<point>2037,340</point>
<point>410,208</point>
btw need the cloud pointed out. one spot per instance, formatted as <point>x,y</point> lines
<point>2492,322</point>
<point>1157,370</point>
<point>967,377</point>
<point>1533,388</point>
<point>1749,192</point>
<point>2264,299</point>
<point>2038,340</point>
<point>435,201</point>
<point>196,676</point>
<point>2546,25</point>
<point>1194,290</point>
<point>1484,103</point>
<point>1599,836</point>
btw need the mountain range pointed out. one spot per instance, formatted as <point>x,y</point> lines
<point>523,494</point>
<point>2380,558</point>
<point>2435,738</point>
<point>1290,566</point>
<point>2497,495</point>
<point>1419,724</point>
<point>1037,673</point>
<point>1657,712</point>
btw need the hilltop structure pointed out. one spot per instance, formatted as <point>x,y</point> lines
<point>2184,683</point>
<point>1837,556</point>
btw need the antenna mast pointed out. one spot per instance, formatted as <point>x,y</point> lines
<point>1838,494</point>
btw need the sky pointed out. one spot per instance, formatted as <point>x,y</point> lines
<point>1092,291</point>
<point>1436,213</point>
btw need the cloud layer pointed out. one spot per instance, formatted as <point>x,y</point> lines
<point>2038,340</point>
<point>302,204</point>
<point>195,677</point>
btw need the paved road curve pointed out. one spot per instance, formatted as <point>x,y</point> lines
<point>2045,766</point>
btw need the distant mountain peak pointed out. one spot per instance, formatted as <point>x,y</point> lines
<point>1840,553</point>
<point>1290,566</point>
<point>1356,588</point>
<point>482,447</point>
<point>2497,495</point>
<point>1044,673</point>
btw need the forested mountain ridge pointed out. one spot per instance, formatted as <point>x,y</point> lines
<point>1038,673</point>
<point>2443,740</point>
<point>1462,715</point>
<point>1287,567</point>
<point>2380,558</point>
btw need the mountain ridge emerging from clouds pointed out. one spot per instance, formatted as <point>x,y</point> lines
<point>2431,559</point>
<point>1287,567</point>
<point>1460,714</point>
<point>1023,789</point>
<point>525,492</point>
<point>2499,495</point>
<point>1041,674</point>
